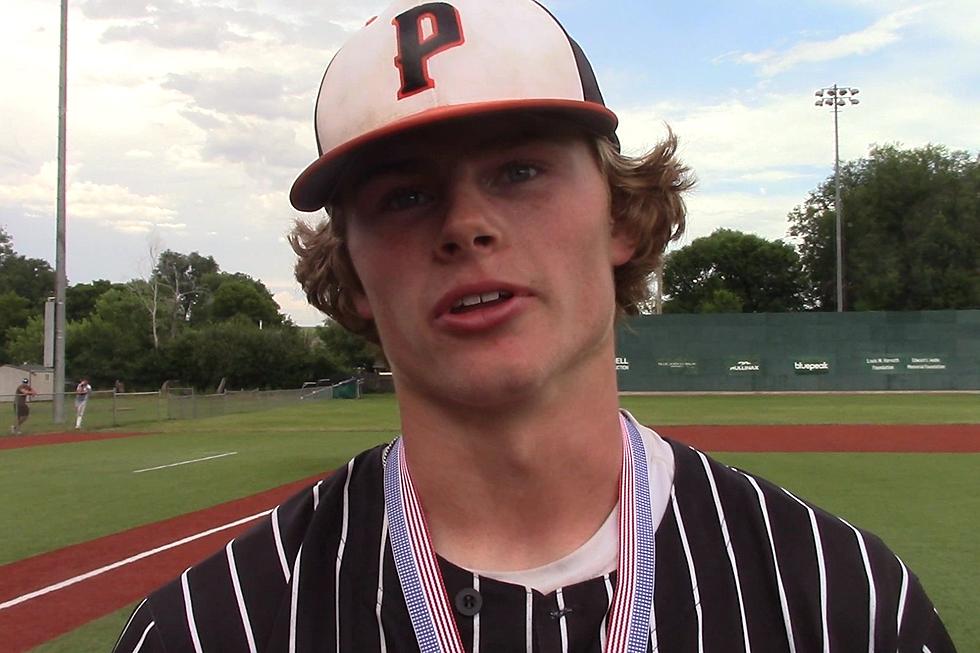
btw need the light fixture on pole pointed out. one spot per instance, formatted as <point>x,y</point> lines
<point>837,96</point>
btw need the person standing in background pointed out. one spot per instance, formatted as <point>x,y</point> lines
<point>21,410</point>
<point>82,391</point>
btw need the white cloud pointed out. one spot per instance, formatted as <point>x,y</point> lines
<point>111,205</point>
<point>883,32</point>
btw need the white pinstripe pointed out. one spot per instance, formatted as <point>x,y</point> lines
<point>476,618</point>
<point>381,581</point>
<point>128,622</point>
<point>901,596</point>
<point>821,566</point>
<point>146,632</point>
<point>279,549</point>
<point>189,611</point>
<point>294,601</point>
<point>602,628</point>
<point>529,621</point>
<point>242,610</point>
<point>783,602</point>
<point>728,546</point>
<point>316,495</point>
<point>872,594</point>
<point>340,549</point>
<point>690,568</point>
<point>561,621</point>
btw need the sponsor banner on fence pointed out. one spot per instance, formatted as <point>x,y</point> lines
<point>893,364</point>
<point>678,365</point>
<point>622,364</point>
<point>888,364</point>
<point>925,363</point>
<point>811,366</point>
<point>744,365</point>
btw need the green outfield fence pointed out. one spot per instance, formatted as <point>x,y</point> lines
<point>107,408</point>
<point>772,352</point>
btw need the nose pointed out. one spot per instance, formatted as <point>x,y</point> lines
<point>472,225</point>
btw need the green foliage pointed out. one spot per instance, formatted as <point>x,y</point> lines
<point>26,344</point>
<point>80,298</point>
<point>244,354</point>
<point>182,275</point>
<point>187,321</point>
<point>14,312</point>
<point>731,271</point>
<point>240,295</point>
<point>347,350</point>
<point>911,231</point>
<point>112,343</point>
<point>29,278</point>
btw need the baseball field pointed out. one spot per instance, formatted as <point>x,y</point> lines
<point>93,521</point>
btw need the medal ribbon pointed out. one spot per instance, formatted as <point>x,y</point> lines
<point>424,590</point>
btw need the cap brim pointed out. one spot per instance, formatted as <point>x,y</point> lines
<point>315,185</point>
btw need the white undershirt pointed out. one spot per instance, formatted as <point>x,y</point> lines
<point>598,556</point>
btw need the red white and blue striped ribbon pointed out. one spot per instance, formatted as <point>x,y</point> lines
<point>425,593</point>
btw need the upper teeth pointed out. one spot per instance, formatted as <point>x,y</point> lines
<point>473,300</point>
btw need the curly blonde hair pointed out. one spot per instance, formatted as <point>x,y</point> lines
<point>646,203</point>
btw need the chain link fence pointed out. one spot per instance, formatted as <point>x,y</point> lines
<point>108,409</point>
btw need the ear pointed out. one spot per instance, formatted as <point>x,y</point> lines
<point>362,305</point>
<point>622,246</point>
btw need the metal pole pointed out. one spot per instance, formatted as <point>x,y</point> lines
<point>838,208</point>
<point>60,282</point>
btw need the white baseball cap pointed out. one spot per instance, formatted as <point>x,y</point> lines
<point>422,62</point>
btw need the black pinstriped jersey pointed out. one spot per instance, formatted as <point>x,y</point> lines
<point>741,565</point>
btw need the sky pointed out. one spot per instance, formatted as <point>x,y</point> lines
<point>189,119</point>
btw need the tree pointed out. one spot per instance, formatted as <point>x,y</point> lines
<point>347,350</point>
<point>80,298</point>
<point>181,274</point>
<point>26,344</point>
<point>911,231</point>
<point>29,278</point>
<point>230,295</point>
<point>112,343</point>
<point>14,312</point>
<point>731,271</point>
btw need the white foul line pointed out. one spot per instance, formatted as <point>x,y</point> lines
<point>121,563</point>
<point>185,462</point>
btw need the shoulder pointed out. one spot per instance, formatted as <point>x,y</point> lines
<point>234,598</point>
<point>827,578</point>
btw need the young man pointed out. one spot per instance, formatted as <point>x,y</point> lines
<point>484,228</point>
<point>21,408</point>
<point>82,391</point>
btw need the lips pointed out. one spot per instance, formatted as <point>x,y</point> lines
<point>471,302</point>
<point>471,298</point>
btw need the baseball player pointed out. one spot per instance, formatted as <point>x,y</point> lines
<point>82,391</point>
<point>22,409</point>
<point>484,227</point>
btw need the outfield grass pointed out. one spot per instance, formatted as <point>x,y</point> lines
<point>944,408</point>
<point>918,503</point>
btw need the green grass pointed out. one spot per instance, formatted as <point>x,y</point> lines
<point>806,409</point>
<point>98,635</point>
<point>918,503</point>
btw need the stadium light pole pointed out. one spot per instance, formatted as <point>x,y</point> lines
<point>60,279</point>
<point>837,96</point>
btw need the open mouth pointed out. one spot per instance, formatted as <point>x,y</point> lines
<point>479,300</point>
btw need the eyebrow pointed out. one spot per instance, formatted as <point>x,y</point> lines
<point>358,178</point>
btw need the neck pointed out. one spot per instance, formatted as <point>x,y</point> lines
<point>517,487</point>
